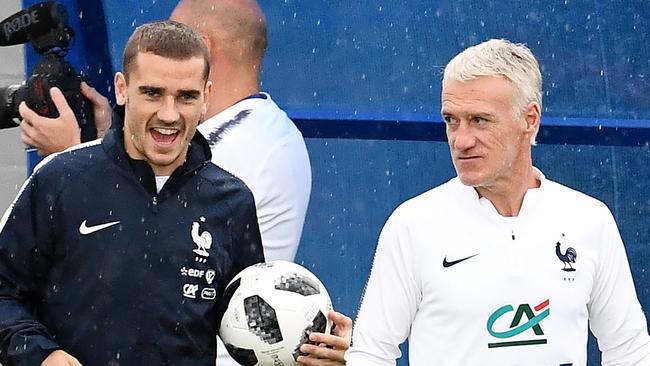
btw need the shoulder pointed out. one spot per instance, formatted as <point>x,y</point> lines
<point>253,119</point>
<point>222,183</point>
<point>75,160</point>
<point>567,206</point>
<point>573,200</point>
<point>433,204</point>
<point>438,198</point>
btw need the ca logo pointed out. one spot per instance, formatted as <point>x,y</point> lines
<point>516,327</point>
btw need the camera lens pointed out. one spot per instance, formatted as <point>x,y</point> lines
<point>9,105</point>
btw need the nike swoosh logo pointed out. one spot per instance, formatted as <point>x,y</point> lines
<point>449,264</point>
<point>85,230</point>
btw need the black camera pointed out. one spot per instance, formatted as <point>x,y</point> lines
<point>45,26</point>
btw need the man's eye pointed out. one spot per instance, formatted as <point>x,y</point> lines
<point>479,120</point>
<point>450,120</point>
<point>151,93</point>
<point>188,97</point>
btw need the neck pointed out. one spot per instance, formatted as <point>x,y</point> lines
<point>508,196</point>
<point>229,86</point>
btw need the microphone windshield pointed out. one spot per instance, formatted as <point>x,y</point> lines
<point>35,21</point>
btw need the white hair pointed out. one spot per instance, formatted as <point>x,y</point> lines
<point>500,57</point>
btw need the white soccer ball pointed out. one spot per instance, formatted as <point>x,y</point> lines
<point>273,309</point>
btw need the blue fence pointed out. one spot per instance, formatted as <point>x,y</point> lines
<point>362,80</point>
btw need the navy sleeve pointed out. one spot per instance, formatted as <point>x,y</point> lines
<point>246,235</point>
<point>246,240</point>
<point>26,238</point>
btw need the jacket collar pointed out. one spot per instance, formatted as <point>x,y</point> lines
<point>198,155</point>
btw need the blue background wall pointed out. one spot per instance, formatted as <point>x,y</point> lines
<point>362,81</point>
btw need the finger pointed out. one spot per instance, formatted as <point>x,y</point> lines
<point>26,113</point>
<point>322,352</point>
<point>343,323</point>
<point>25,136</point>
<point>61,104</point>
<point>310,361</point>
<point>92,94</point>
<point>330,340</point>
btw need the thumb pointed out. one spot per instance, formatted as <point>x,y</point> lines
<point>61,104</point>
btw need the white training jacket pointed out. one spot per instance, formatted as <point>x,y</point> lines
<point>468,286</point>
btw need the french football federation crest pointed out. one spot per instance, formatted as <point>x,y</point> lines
<point>203,240</point>
<point>569,256</point>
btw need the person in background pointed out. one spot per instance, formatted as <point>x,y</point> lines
<point>500,265</point>
<point>116,252</point>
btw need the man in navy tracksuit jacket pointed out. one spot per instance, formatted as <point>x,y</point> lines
<point>99,265</point>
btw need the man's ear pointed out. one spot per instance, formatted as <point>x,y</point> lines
<point>120,88</point>
<point>532,116</point>
<point>206,96</point>
<point>207,42</point>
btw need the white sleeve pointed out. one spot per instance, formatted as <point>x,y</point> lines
<point>615,314</point>
<point>281,190</point>
<point>390,301</point>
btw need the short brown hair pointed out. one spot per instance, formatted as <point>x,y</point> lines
<point>165,38</point>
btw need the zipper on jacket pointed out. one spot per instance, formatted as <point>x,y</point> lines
<point>154,204</point>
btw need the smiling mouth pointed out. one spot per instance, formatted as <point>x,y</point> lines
<point>163,135</point>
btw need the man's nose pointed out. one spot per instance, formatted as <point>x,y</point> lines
<point>464,137</point>
<point>168,111</point>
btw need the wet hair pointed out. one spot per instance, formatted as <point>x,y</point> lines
<point>500,57</point>
<point>167,39</point>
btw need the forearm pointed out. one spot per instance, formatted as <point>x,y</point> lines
<point>615,314</point>
<point>23,340</point>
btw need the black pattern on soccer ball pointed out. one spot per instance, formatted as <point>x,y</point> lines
<point>244,357</point>
<point>262,320</point>
<point>297,283</point>
<point>318,324</point>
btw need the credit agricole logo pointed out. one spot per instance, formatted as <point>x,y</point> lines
<point>526,319</point>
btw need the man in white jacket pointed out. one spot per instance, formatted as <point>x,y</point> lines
<point>498,266</point>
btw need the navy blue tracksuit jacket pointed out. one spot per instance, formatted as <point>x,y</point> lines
<point>94,262</point>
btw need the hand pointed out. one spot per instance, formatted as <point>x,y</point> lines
<point>49,135</point>
<point>331,347</point>
<point>60,358</point>
<point>101,109</point>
